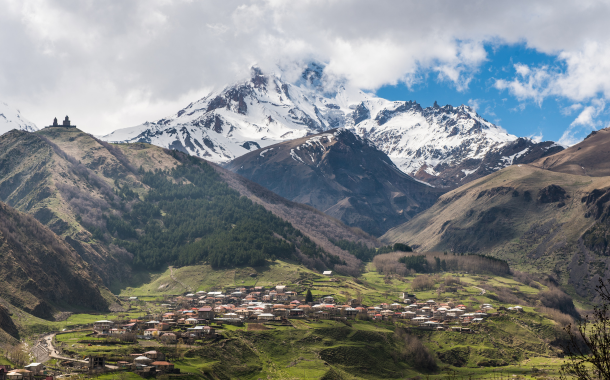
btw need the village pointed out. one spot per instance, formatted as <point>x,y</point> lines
<point>199,317</point>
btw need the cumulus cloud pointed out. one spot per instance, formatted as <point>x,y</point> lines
<point>112,64</point>
<point>530,83</point>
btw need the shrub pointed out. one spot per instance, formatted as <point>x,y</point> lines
<point>423,282</point>
<point>414,352</point>
<point>556,299</point>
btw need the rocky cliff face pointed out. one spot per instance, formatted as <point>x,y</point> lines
<point>341,174</point>
<point>445,146</point>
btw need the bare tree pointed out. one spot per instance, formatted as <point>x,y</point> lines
<point>589,348</point>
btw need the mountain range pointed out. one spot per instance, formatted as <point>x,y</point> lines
<point>444,146</point>
<point>101,202</point>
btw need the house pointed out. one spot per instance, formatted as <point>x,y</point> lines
<point>162,326</point>
<point>206,313</point>
<point>35,368</point>
<point>142,360</point>
<point>151,333</point>
<point>154,355</point>
<point>350,312</point>
<point>266,317</point>
<point>130,326</point>
<point>201,331</point>
<point>191,321</point>
<point>103,326</point>
<point>295,313</point>
<point>20,374</point>
<point>322,314</point>
<point>163,366</point>
<point>3,371</point>
<point>327,273</point>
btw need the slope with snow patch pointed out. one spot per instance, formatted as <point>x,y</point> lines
<point>10,118</point>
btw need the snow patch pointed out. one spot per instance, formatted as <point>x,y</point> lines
<point>265,151</point>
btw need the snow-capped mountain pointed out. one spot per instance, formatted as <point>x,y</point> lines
<point>259,112</point>
<point>10,118</point>
<point>444,146</point>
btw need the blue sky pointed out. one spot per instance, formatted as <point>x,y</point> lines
<point>549,118</point>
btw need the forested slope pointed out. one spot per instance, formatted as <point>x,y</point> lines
<point>136,206</point>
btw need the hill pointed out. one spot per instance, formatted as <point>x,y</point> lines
<point>40,272</point>
<point>590,157</point>
<point>139,206</point>
<point>445,146</point>
<point>342,175</point>
<point>537,220</point>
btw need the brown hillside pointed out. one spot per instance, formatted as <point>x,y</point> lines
<point>60,190</point>
<point>590,157</point>
<point>538,220</point>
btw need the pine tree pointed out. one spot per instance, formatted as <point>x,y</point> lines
<point>308,296</point>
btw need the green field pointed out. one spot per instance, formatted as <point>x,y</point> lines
<point>514,344</point>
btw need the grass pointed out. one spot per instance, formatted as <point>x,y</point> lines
<point>203,277</point>
<point>315,349</point>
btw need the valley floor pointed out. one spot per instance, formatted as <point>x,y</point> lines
<point>511,344</point>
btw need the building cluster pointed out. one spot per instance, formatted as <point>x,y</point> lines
<point>189,316</point>
<point>29,372</point>
<point>147,363</point>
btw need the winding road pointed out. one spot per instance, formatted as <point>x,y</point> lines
<point>47,341</point>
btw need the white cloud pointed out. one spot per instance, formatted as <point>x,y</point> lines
<point>474,104</point>
<point>570,109</point>
<point>584,123</point>
<point>588,114</point>
<point>115,63</point>
<point>532,83</point>
<point>536,137</point>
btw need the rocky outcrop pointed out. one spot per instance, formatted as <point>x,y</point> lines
<point>552,194</point>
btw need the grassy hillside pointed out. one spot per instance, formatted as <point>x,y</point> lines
<point>590,157</point>
<point>523,344</point>
<point>532,218</point>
